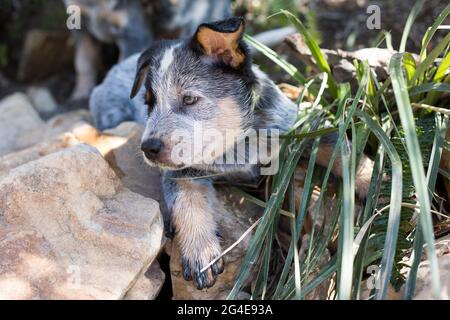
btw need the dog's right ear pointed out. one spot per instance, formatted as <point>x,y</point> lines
<point>143,65</point>
<point>221,41</point>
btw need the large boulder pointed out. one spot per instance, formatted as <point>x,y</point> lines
<point>121,149</point>
<point>119,146</point>
<point>70,230</point>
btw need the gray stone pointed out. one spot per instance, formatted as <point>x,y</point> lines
<point>42,100</point>
<point>70,230</point>
<point>17,116</point>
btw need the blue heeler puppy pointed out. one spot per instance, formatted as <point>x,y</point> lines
<point>209,81</point>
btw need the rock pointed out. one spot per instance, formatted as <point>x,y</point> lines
<point>148,285</point>
<point>21,126</point>
<point>377,58</point>
<point>17,116</point>
<point>45,53</point>
<point>81,133</point>
<point>445,164</point>
<point>127,161</point>
<point>70,230</point>
<point>442,246</point>
<point>15,159</point>
<point>237,216</point>
<point>367,292</point>
<point>423,282</point>
<point>43,101</point>
<point>119,146</point>
<point>65,122</point>
<point>54,127</point>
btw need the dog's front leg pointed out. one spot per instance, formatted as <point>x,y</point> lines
<point>191,204</point>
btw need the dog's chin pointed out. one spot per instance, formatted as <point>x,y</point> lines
<point>167,166</point>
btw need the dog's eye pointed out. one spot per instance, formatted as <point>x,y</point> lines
<point>189,100</point>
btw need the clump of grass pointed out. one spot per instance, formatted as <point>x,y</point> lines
<point>403,120</point>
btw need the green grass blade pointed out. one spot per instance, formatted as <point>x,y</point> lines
<point>346,228</point>
<point>429,87</point>
<point>409,23</point>
<point>270,214</point>
<point>389,41</point>
<point>321,62</point>
<point>427,62</point>
<point>415,158</point>
<point>433,171</point>
<point>272,55</point>
<point>294,241</point>
<point>440,76</point>
<point>430,32</point>
<point>304,204</point>
<point>369,209</point>
<point>260,288</point>
<point>410,65</point>
<point>443,69</point>
<point>394,210</point>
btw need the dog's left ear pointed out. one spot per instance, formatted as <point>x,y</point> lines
<point>143,65</point>
<point>221,41</point>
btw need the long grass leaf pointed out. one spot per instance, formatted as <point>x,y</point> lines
<point>415,158</point>
<point>348,159</point>
<point>432,174</point>
<point>426,63</point>
<point>321,62</point>
<point>394,211</point>
<point>409,23</point>
<point>272,55</point>
<point>432,30</point>
<point>429,87</point>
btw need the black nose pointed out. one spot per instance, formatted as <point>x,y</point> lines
<point>151,147</point>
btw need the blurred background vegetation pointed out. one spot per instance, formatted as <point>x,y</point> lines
<point>335,24</point>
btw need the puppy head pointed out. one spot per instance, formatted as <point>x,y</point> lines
<point>195,86</point>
